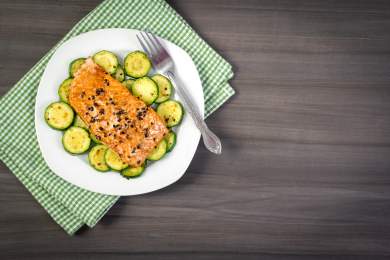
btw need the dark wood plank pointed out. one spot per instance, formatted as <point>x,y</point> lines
<point>305,168</point>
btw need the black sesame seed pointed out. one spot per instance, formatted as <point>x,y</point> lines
<point>99,91</point>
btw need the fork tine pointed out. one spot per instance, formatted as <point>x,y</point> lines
<point>156,42</point>
<point>152,41</point>
<point>152,48</point>
<point>141,41</point>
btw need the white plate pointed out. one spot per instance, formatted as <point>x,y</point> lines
<point>75,169</point>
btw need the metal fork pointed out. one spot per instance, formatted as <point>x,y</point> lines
<point>163,63</point>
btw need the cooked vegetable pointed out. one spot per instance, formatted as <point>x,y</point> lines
<point>171,112</point>
<point>63,90</point>
<point>133,172</point>
<point>128,83</point>
<point>76,140</point>
<point>145,89</point>
<point>96,158</point>
<point>137,64</point>
<point>164,88</point>
<point>94,139</point>
<point>59,115</point>
<point>107,60</point>
<point>80,123</point>
<point>114,161</point>
<point>171,140</point>
<point>119,74</point>
<point>75,66</point>
<point>155,91</point>
<point>158,152</point>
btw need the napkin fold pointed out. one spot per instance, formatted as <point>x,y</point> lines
<point>70,206</point>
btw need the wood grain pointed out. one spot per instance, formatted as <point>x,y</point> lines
<point>305,171</point>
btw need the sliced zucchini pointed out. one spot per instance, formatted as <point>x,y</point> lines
<point>119,74</point>
<point>96,158</point>
<point>133,172</point>
<point>59,115</point>
<point>94,139</point>
<point>114,161</point>
<point>171,140</point>
<point>137,64</point>
<point>76,140</point>
<point>107,60</point>
<point>158,152</point>
<point>80,123</point>
<point>171,112</point>
<point>128,83</point>
<point>63,90</point>
<point>164,88</point>
<point>75,66</point>
<point>145,89</point>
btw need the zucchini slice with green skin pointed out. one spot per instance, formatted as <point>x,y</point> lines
<point>158,152</point>
<point>63,90</point>
<point>171,112</point>
<point>107,60</point>
<point>94,139</point>
<point>128,83</point>
<point>96,158</point>
<point>75,66</point>
<point>76,140</point>
<point>119,74</point>
<point>114,161</point>
<point>59,115</point>
<point>137,64</point>
<point>80,123</point>
<point>171,141</point>
<point>164,88</point>
<point>145,89</point>
<point>133,172</point>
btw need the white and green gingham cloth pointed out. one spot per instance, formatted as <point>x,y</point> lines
<point>70,206</point>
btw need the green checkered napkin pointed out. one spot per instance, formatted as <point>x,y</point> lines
<point>70,206</point>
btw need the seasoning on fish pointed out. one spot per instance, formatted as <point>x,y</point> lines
<point>118,119</point>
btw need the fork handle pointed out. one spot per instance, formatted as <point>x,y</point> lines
<point>210,140</point>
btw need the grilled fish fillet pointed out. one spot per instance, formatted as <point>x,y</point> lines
<point>118,119</point>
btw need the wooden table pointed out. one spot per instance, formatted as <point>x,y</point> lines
<point>305,171</point>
